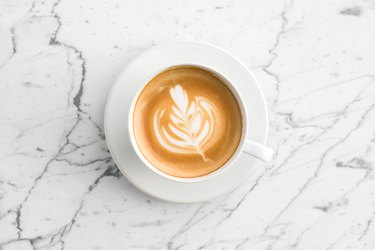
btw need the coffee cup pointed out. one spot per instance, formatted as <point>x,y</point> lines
<point>191,115</point>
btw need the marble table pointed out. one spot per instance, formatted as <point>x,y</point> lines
<point>60,189</point>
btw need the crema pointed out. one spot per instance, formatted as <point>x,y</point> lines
<point>187,123</point>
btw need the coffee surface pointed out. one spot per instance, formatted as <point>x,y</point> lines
<point>186,122</point>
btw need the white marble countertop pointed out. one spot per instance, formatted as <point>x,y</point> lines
<point>59,188</point>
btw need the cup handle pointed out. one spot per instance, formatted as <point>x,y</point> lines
<point>259,151</point>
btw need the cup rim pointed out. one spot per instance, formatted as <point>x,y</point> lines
<point>232,87</point>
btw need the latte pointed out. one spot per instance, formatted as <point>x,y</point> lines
<point>187,123</point>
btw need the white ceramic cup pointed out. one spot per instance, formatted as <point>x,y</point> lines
<point>254,149</point>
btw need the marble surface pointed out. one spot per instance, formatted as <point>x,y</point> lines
<point>59,188</point>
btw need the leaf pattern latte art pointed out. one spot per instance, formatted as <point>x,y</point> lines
<point>190,125</point>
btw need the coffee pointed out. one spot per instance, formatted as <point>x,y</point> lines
<point>187,122</point>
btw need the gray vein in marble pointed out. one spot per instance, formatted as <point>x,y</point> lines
<point>185,227</point>
<point>229,212</point>
<point>6,213</point>
<point>300,236</point>
<point>275,238</point>
<point>318,168</point>
<point>29,192</point>
<point>31,9</point>
<point>77,147</point>
<point>150,223</point>
<point>18,224</point>
<point>354,11</point>
<point>355,163</point>
<point>272,51</point>
<point>54,41</point>
<point>62,232</point>
<point>368,225</point>
<point>110,171</point>
<point>14,39</point>
<point>242,199</point>
<point>14,47</point>
<point>107,159</point>
<point>77,104</point>
<point>336,242</point>
<point>211,244</point>
<point>14,44</point>
<point>243,242</point>
<point>330,205</point>
<point>371,78</point>
<point>338,116</point>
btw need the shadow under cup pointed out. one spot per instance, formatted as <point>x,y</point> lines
<point>174,115</point>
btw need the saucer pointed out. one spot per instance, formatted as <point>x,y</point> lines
<point>117,112</point>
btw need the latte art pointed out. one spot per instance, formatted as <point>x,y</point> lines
<point>190,125</point>
<point>186,122</point>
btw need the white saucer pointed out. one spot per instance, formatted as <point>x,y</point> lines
<point>136,75</point>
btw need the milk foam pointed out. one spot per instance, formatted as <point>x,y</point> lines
<point>190,124</point>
